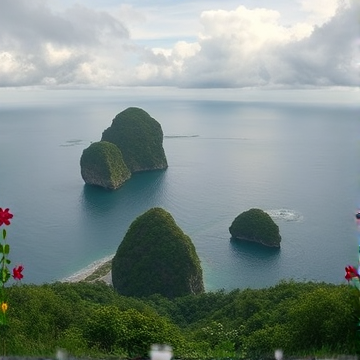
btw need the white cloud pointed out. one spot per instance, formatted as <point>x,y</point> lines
<point>245,47</point>
<point>57,55</point>
<point>233,48</point>
<point>242,47</point>
<point>320,11</point>
<point>39,46</point>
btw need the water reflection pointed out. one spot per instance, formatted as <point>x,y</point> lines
<point>143,188</point>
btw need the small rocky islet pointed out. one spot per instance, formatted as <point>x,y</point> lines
<point>257,226</point>
<point>103,165</point>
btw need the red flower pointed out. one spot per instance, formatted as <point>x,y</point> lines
<point>17,275</point>
<point>351,272</point>
<point>5,216</point>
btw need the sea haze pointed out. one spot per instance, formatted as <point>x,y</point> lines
<point>297,160</point>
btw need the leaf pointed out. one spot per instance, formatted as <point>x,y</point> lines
<point>4,234</point>
<point>8,261</point>
<point>1,248</point>
<point>6,249</point>
<point>5,275</point>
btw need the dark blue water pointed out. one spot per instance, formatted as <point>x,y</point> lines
<point>298,161</point>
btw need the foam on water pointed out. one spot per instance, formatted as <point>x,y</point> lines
<point>285,214</point>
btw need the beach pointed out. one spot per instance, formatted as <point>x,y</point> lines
<point>96,271</point>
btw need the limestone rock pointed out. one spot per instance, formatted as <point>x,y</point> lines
<point>102,164</point>
<point>155,256</point>
<point>139,138</point>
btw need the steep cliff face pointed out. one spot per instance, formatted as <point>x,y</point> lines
<point>139,138</point>
<point>102,165</point>
<point>155,256</point>
<point>256,225</point>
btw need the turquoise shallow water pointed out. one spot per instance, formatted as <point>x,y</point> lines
<point>298,161</point>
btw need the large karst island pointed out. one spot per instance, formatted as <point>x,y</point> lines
<point>156,257</point>
<point>133,143</point>
<point>257,226</point>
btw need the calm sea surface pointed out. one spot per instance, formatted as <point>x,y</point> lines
<point>297,160</point>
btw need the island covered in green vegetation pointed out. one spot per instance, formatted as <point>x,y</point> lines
<point>140,139</point>
<point>133,143</point>
<point>257,226</point>
<point>156,257</point>
<point>102,164</point>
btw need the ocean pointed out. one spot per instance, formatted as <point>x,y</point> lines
<point>294,154</point>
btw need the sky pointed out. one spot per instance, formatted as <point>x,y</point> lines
<point>84,44</point>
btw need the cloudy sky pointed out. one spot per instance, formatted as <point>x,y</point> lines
<point>187,43</point>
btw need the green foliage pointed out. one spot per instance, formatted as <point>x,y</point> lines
<point>92,320</point>
<point>129,332</point>
<point>169,264</point>
<point>256,225</point>
<point>102,164</point>
<point>105,328</point>
<point>142,330</point>
<point>73,341</point>
<point>258,321</point>
<point>139,137</point>
<point>314,327</point>
<point>187,310</point>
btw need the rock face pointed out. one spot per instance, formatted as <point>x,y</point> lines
<point>256,225</point>
<point>155,256</point>
<point>102,164</point>
<point>139,138</point>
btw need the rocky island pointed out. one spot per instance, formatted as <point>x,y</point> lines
<point>102,164</point>
<point>156,257</point>
<point>133,143</point>
<point>139,138</point>
<point>257,226</point>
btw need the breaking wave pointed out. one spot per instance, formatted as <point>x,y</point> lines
<point>285,214</point>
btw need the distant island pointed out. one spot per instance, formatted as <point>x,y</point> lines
<point>133,143</point>
<point>257,226</point>
<point>139,138</point>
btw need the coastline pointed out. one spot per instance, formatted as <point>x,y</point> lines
<point>96,271</point>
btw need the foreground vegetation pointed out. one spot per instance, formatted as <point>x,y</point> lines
<point>91,319</point>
